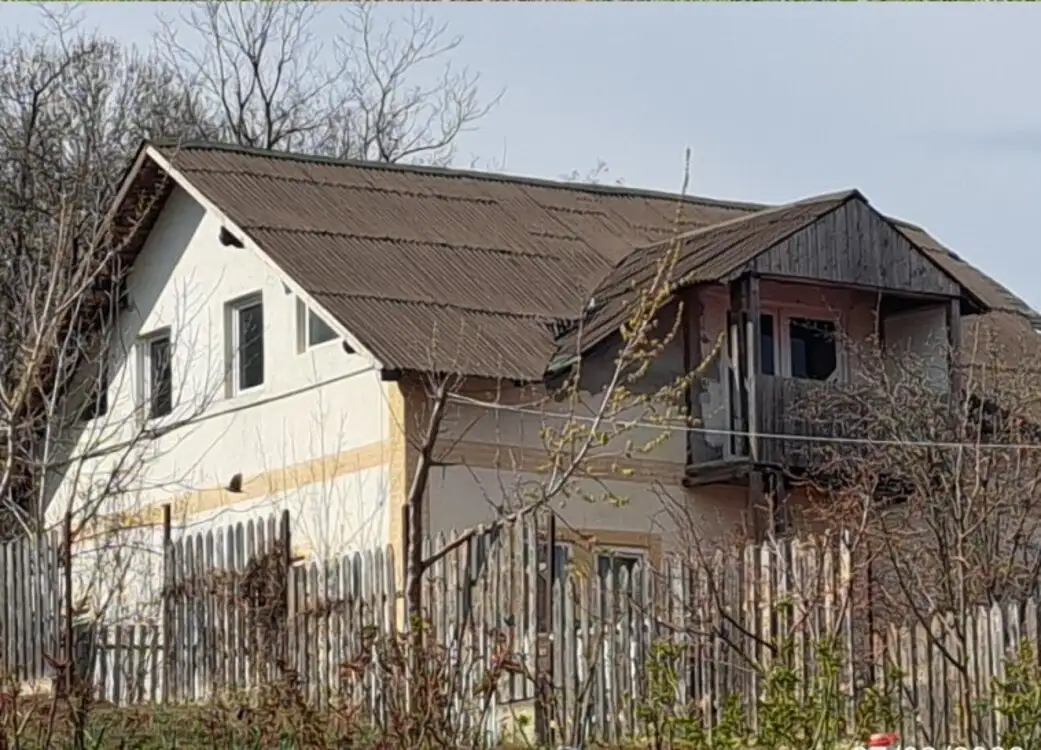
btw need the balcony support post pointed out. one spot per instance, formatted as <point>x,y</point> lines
<point>737,341</point>
<point>698,448</point>
<point>954,364</point>
<point>754,328</point>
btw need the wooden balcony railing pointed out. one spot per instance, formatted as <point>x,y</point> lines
<point>806,408</point>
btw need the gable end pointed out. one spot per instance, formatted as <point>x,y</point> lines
<point>855,245</point>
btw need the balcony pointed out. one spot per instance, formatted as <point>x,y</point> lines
<point>804,375</point>
<point>802,425</point>
<point>802,408</point>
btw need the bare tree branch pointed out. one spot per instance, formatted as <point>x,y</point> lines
<point>382,92</point>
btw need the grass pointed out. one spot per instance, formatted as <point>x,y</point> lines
<point>213,727</point>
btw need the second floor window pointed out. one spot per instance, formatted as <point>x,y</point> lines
<point>311,330</point>
<point>247,343</point>
<point>813,351</point>
<point>799,347</point>
<point>157,374</point>
<point>97,396</point>
<point>767,346</point>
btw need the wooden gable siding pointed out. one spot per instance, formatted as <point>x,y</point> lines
<point>854,245</point>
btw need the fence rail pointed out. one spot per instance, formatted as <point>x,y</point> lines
<point>239,613</point>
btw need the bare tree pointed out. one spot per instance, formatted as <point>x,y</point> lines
<point>375,93</point>
<point>940,464</point>
<point>75,106</point>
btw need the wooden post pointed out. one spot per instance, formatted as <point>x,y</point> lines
<point>544,632</point>
<point>286,540</point>
<point>953,353</point>
<point>405,605</point>
<point>72,693</point>
<point>698,448</point>
<point>737,393</point>
<point>70,647</point>
<point>757,514</point>
<point>753,339</point>
<point>169,578</point>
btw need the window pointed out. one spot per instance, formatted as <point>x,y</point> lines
<point>156,375</point>
<point>615,561</point>
<point>767,348</point>
<point>247,344</point>
<point>311,329</point>
<point>812,347</point>
<point>97,396</point>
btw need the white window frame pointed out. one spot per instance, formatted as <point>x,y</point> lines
<point>304,314</point>
<point>783,341</point>
<point>144,372</point>
<point>233,346</point>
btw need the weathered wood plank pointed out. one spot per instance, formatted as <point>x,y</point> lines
<point>855,245</point>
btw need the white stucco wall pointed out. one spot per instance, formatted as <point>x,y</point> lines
<point>320,403</point>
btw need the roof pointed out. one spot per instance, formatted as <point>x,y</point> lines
<point>710,253</point>
<point>472,272</point>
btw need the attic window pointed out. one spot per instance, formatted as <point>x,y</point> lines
<point>311,328</point>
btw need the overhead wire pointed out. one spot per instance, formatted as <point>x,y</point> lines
<point>725,432</point>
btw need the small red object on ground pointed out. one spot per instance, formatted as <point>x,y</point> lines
<point>887,741</point>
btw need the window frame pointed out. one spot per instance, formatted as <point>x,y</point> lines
<point>782,316</point>
<point>637,555</point>
<point>146,390</point>
<point>304,316</point>
<point>233,319</point>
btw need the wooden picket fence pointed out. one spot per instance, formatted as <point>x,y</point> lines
<point>31,599</point>
<point>239,613</point>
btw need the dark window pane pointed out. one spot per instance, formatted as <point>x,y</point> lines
<point>813,349</point>
<point>97,402</point>
<point>616,564</point>
<point>766,344</point>
<point>160,372</point>
<point>251,346</point>
<point>318,331</point>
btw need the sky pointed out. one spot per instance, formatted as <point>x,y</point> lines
<point>932,111</point>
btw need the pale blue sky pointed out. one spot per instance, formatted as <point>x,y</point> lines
<point>934,112</point>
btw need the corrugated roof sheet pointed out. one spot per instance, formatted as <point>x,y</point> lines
<point>703,255</point>
<point>436,269</point>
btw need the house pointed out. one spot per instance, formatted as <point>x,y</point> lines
<point>280,312</point>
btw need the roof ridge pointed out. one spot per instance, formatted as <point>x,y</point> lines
<point>450,172</point>
<point>580,187</point>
